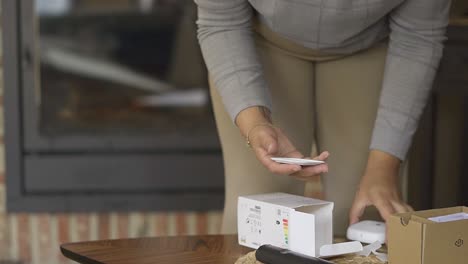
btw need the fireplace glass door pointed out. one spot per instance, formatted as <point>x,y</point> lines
<point>114,70</point>
<point>115,101</point>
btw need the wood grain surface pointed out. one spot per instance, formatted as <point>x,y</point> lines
<point>221,249</point>
<point>249,258</point>
<point>185,249</point>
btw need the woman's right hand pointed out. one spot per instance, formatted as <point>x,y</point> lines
<point>268,141</point>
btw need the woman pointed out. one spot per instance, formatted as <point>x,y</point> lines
<point>348,76</point>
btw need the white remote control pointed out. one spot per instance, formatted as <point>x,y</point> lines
<point>295,161</point>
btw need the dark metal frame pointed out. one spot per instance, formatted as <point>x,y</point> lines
<point>455,82</point>
<point>464,153</point>
<point>421,159</point>
<point>36,167</point>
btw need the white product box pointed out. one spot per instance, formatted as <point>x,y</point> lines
<point>288,221</point>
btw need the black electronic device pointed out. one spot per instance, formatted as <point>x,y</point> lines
<point>269,254</point>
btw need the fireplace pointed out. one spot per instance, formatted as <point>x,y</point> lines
<point>107,107</point>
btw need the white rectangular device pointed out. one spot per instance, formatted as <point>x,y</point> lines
<point>296,161</point>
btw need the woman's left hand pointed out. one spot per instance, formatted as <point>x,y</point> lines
<point>379,187</point>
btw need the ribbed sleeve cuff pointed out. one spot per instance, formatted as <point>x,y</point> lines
<point>390,140</point>
<point>234,109</point>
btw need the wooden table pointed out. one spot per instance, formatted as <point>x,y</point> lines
<point>182,249</point>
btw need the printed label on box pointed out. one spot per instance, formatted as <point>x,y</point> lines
<point>286,221</point>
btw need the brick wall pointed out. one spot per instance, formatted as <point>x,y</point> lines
<point>35,238</point>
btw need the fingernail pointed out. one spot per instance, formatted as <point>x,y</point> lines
<point>296,169</point>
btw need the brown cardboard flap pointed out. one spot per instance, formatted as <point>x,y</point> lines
<point>420,219</point>
<point>404,240</point>
<point>439,212</point>
<point>413,239</point>
<point>446,243</point>
<point>405,218</point>
<point>422,216</point>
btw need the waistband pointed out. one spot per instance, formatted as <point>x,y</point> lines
<point>271,38</point>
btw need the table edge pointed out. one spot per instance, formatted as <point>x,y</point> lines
<point>85,260</point>
<point>76,257</point>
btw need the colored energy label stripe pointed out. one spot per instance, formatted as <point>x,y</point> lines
<point>285,230</point>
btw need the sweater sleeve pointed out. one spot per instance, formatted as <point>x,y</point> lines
<point>226,39</point>
<point>416,42</point>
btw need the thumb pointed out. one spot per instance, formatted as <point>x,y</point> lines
<point>323,156</point>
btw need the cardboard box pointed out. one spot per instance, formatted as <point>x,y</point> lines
<point>288,221</point>
<point>414,239</point>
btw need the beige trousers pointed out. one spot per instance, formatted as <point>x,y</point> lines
<point>322,102</point>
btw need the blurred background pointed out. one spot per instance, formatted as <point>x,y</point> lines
<point>108,130</point>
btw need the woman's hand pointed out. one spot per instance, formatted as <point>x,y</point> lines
<point>379,187</point>
<point>268,141</point>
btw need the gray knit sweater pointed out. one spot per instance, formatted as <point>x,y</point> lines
<point>416,29</point>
